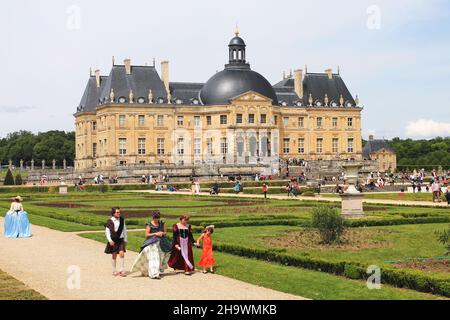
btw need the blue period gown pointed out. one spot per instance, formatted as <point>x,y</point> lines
<point>11,225</point>
<point>16,224</point>
<point>24,225</point>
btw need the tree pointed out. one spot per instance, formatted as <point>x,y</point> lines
<point>19,180</point>
<point>9,179</point>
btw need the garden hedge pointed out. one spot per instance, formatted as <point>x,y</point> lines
<point>353,270</point>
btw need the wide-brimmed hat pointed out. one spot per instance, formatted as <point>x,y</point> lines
<point>18,198</point>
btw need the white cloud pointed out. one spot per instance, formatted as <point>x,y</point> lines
<point>16,109</point>
<point>427,128</point>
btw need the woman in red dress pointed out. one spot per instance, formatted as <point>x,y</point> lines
<point>182,257</point>
<point>207,259</point>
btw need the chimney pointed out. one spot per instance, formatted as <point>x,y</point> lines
<point>127,63</point>
<point>329,73</point>
<point>298,82</point>
<point>371,137</point>
<point>97,78</point>
<point>165,74</point>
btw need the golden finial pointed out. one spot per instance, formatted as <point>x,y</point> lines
<point>236,32</point>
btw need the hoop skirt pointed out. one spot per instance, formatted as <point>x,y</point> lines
<point>17,225</point>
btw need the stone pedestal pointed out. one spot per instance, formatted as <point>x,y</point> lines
<point>63,189</point>
<point>352,204</point>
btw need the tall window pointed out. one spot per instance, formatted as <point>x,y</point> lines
<point>160,146</point>
<point>197,121</point>
<point>141,146</point>
<point>334,122</point>
<point>94,125</point>
<point>301,122</point>
<point>223,119</point>
<point>122,146</point>
<point>208,120</point>
<point>319,145</point>
<point>286,145</point>
<point>301,145</point>
<point>160,120</point>
<point>197,146</point>
<point>350,122</point>
<point>251,118</point>
<point>141,119</point>
<point>286,121</point>
<point>209,145</point>
<point>180,120</point>
<point>94,150</point>
<point>350,145</point>
<point>180,146</point>
<point>319,122</point>
<point>223,146</point>
<point>335,145</point>
<point>263,118</point>
<point>239,118</point>
<point>122,120</point>
<point>275,120</point>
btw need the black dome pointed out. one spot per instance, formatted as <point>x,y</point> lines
<point>236,79</point>
<point>237,41</point>
<point>232,82</point>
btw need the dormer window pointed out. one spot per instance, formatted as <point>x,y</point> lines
<point>141,100</point>
<point>160,100</point>
<point>122,100</point>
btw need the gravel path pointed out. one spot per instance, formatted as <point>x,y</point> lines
<point>42,263</point>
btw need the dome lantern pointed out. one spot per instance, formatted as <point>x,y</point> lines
<point>237,50</point>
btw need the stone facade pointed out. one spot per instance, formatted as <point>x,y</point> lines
<point>118,125</point>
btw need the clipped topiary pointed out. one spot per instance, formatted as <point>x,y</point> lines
<point>9,179</point>
<point>329,222</point>
<point>19,180</point>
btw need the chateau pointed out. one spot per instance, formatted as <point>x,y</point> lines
<point>135,117</point>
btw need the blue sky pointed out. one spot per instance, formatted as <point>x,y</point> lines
<point>400,69</point>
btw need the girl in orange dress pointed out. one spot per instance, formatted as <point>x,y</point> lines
<point>207,259</point>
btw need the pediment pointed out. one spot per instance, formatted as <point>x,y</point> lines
<point>251,96</point>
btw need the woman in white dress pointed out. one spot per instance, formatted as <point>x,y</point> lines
<point>155,252</point>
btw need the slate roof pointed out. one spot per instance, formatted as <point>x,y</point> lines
<point>141,80</point>
<point>186,91</point>
<point>318,84</point>
<point>90,98</point>
<point>144,78</point>
<point>374,146</point>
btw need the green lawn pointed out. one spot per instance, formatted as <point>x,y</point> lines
<point>395,243</point>
<point>250,223</point>
<point>418,196</point>
<point>13,289</point>
<point>302,282</point>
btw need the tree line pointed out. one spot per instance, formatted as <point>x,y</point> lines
<point>25,145</point>
<point>60,145</point>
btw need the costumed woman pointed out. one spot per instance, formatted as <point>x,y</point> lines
<point>182,257</point>
<point>116,234</point>
<point>16,223</point>
<point>155,252</point>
